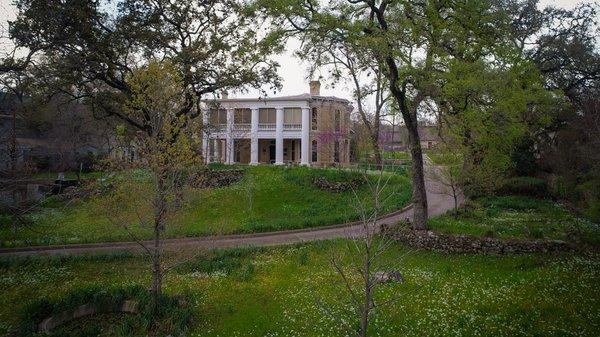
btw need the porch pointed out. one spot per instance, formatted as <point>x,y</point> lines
<point>267,151</point>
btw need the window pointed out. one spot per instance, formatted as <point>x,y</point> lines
<point>242,116</point>
<point>336,151</point>
<point>292,116</point>
<point>315,120</point>
<point>218,116</point>
<point>267,116</point>
<point>338,120</point>
<point>314,151</point>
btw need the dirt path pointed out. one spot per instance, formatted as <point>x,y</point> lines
<point>439,203</point>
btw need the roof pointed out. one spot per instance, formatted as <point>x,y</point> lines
<point>301,97</point>
<point>426,133</point>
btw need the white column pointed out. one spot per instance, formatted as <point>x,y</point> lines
<point>279,137</point>
<point>305,142</point>
<point>229,138</point>
<point>205,138</point>
<point>254,138</point>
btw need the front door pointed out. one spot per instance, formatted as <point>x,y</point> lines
<point>272,152</point>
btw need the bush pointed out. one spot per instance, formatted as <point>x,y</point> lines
<point>593,211</point>
<point>171,314</point>
<point>528,186</point>
<point>514,202</point>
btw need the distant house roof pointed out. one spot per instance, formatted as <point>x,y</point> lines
<point>428,133</point>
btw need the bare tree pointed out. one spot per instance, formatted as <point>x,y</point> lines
<point>365,74</point>
<point>367,268</point>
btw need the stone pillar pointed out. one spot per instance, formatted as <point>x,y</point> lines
<point>205,138</point>
<point>305,142</point>
<point>229,138</point>
<point>254,137</point>
<point>279,137</point>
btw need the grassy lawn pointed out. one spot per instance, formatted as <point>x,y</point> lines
<point>283,292</point>
<point>268,198</point>
<point>518,217</point>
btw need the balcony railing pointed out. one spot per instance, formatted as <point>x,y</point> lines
<point>267,126</point>
<point>243,127</point>
<point>292,126</point>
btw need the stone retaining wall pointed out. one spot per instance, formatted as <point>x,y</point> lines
<point>217,178</point>
<point>447,243</point>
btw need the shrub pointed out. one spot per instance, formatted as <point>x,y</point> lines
<point>593,211</point>
<point>529,186</point>
<point>216,178</point>
<point>171,315</point>
<point>514,202</point>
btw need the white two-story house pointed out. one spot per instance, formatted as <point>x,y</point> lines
<point>306,129</point>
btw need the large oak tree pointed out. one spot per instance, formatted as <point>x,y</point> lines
<point>89,49</point>
<point>412,42</point>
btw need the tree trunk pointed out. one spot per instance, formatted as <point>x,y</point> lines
<point>419,198</point>
<point>376,149</point>
<point>368,297</point>
<point>156,271</point>
<point>160,206</point>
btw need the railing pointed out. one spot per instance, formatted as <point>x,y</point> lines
<point>293,126</point>
<point>242,126</point>
<point>265,126</point>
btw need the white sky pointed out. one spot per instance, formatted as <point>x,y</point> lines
<point>291,69</point>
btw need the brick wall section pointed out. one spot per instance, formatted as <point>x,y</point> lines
<point>326,135</point>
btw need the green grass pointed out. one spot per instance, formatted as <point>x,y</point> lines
<point>403,155</point>
<point>518,217</point>
<point>284,291</point>
<point>267,199</point>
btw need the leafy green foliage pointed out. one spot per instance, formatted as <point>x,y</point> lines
<point>529,186</point>
<point>493,110</point>
<point>518,217</point>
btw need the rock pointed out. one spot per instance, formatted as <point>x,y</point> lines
<point>216,178</point>
<point>387,277</point>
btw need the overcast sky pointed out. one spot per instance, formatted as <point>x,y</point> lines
<point>291,69</point>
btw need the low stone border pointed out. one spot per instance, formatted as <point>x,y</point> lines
<point>217,178</point>
<point>448,243</point>
<point>53,321</point>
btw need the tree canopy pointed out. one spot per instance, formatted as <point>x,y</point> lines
<point>89,49</point>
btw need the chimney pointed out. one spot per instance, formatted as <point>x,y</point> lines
<point>315,88</point>
<point>225,95</point>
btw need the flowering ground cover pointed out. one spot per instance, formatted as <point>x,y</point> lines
<point>518,217</point>
<point>268,198</point>
<point>294,291</point>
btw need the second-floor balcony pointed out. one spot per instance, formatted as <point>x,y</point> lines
<point>292,126</point>
<point>267,126</point>
<point>242,126</point>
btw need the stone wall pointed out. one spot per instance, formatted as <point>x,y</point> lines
<point>447,243</point>
<point>216,178</point>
